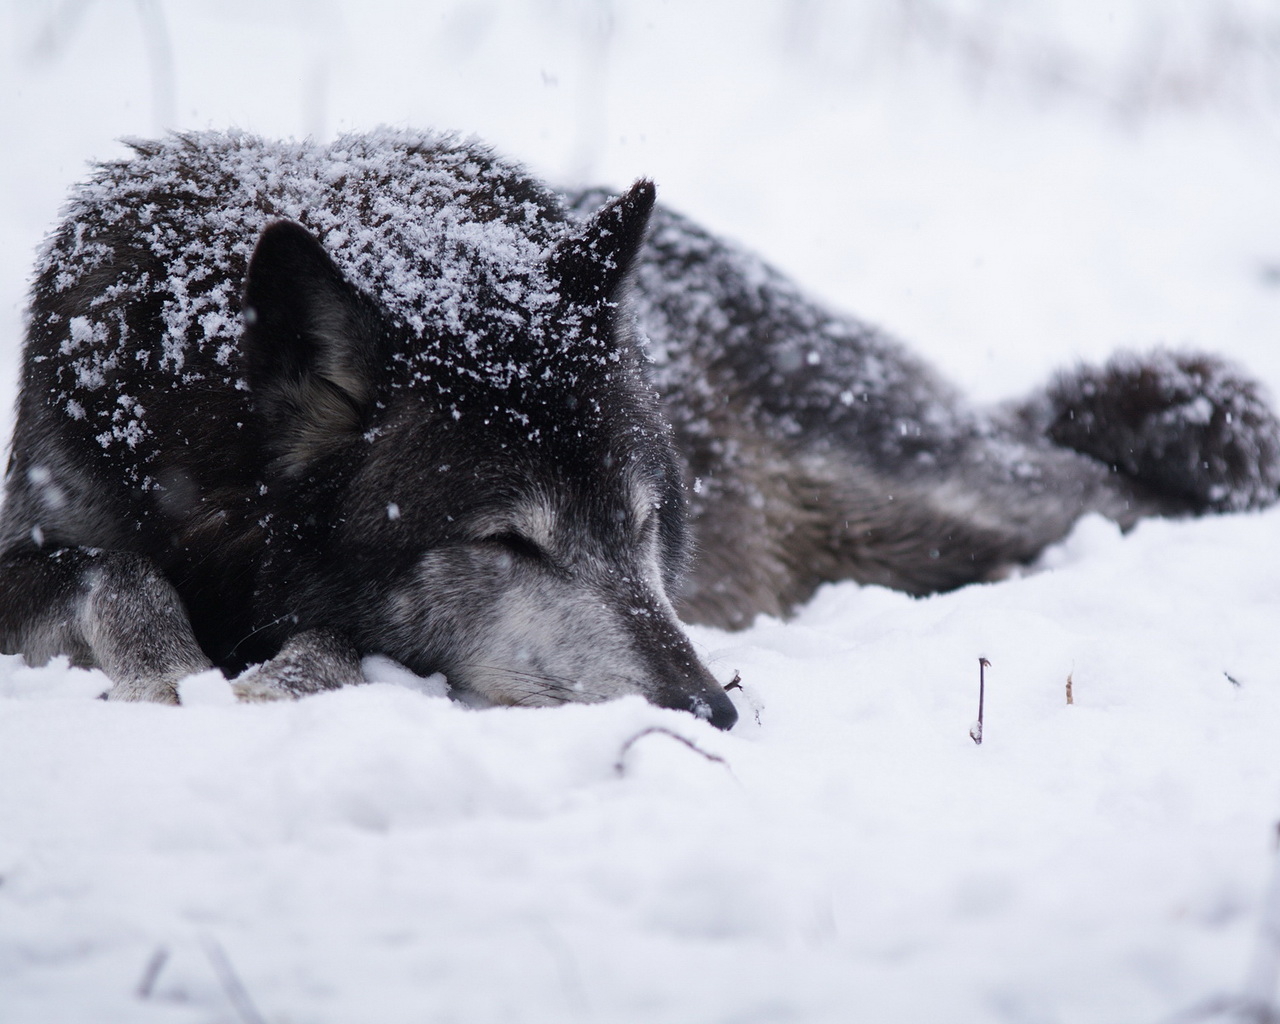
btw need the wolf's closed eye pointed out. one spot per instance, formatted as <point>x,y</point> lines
<point>517,544</point>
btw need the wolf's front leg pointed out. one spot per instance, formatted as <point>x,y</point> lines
<point>311,661</point>
<point>111,610</point>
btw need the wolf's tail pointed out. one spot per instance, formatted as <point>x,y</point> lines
<point>1188,425</point>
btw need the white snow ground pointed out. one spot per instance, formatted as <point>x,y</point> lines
<point>1009,186</point>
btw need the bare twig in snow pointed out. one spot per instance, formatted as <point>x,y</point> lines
<point>620,765</point>
<point>234,988</point>
<point>1232,680</point>
<point>736,684</point>
<point>152,972</point>
<point>1070,696</point>
<point>975,733</point>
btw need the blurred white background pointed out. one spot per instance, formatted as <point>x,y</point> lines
<point>1005,184</point>
<point>1008,185</point>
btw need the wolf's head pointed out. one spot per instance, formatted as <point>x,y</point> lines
<point>485,487</point>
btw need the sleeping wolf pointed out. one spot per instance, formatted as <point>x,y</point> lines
<point>287,404</point>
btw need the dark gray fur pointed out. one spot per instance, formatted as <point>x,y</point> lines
<point>285,405</point>
<point>816,448</point>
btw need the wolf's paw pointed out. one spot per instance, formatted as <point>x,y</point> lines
<point>1187,424</point>
<point>256,687</point>
<point>311,661</point>
<point>155,690</point>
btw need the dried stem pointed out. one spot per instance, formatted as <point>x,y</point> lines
<point>151,973</point>
<point>975,733</point>
<point>620,765</point>
<point>234,988</point>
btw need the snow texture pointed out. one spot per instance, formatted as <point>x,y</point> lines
<point>1012,196</point>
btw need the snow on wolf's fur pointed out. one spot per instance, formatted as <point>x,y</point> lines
<point>382,436</point>
<point>437,241</point>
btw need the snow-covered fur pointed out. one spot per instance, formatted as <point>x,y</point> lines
<point>304,403</point>
<point>1188,424</point>
<point>817,448</point>
<point>287,404</point>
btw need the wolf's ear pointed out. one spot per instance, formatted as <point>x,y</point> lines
<point>310,344</point>
<point>591,263</point>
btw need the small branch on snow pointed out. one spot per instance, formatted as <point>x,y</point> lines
<point>1232,680</point>
<point>736,684</point>
<point>620,765</point>
<point>234,988</point>
<point>152,972</point>
<point>975,733</point>
<point>1070,696</point>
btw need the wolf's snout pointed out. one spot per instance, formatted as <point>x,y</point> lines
<point>723,715</point>
<point>711,704</point>
<point>699,692</point>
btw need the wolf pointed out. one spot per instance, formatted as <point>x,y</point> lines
<point>288,404</point>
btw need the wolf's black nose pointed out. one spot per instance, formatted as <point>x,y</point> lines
<point>723,713</point>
